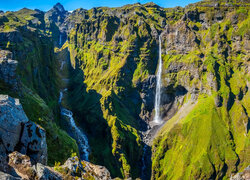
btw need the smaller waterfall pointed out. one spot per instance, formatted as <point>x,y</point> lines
<point>78,135</point>
<point>62,64</point>
<point>60,40</point>
<point>157,118</point>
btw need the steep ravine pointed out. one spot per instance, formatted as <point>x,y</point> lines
<point>204,50</point>
<point>73,129</point>
<point>108,60</point>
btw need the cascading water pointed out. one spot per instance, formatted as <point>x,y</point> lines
<point>77,134</point>
<point>60,40</point>
<point>146,157</point>
<point>157,118</point>
<point>62,64</point>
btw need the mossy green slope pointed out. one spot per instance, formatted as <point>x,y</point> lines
<point>113,51</point>
<point>211,140</point>
<point>114,57</point>
<point>32,47</point>
<point>116,48</point>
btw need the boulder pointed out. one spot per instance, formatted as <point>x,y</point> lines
<point>34,141</point>
<point>85,169</point>
<point>22,165</point>
<point>24,168</point>
<point>245,175</point>
<point>5,55</point>
<point>17,133</point>
<point>4,176</point>
<point>44,173</point>
<point>100,172</point>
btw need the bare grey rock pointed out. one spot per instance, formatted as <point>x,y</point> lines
<point>44,173</point>
<point>81,168</point>
<point>181,39</point>
<point>17,133</point>
<point>34,140</point>
<point>4,176</point>
<point>12,120</point>
<point>22,165</point>
<point>147,95</point>
<point>24,168</point>
<point>245,175</point>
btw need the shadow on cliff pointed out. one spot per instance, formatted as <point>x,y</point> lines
<point>89,116</point>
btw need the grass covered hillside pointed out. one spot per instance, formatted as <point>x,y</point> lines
<point>116,49</point>
<point>207,53</point>
<point>23,34</point>
<point>104,62</point>
<point>206,59</point>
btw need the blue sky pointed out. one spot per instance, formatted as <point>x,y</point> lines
<point>13,5</point>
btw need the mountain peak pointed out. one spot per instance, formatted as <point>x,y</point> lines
<point>59,7</point>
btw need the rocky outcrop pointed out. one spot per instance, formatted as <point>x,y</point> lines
<point>8,69</point>
<point>83,169</point>
<point>18,133</point>
<point>147,95</point>
<point>23,166</point>
<point>73,168</point>
<point>5,176</point>
<point>180,38</point>
<point>245,175</point>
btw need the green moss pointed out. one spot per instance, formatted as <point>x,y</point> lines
<point>197,147</point>
<point>202,141</point>
<point>38,91</point>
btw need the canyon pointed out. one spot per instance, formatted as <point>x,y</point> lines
<point>138,91</point>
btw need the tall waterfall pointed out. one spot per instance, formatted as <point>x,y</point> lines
<point>157,118</point>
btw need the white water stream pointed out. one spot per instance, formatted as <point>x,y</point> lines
<point>62,64</point>
<point>157,118</point>
<point>78,135</point>
<point>60,40</point>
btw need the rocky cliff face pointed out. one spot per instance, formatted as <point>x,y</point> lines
<point>205,47</point>
<point>203,56</point>
<point>111,84</point>
<point>31,76</point>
